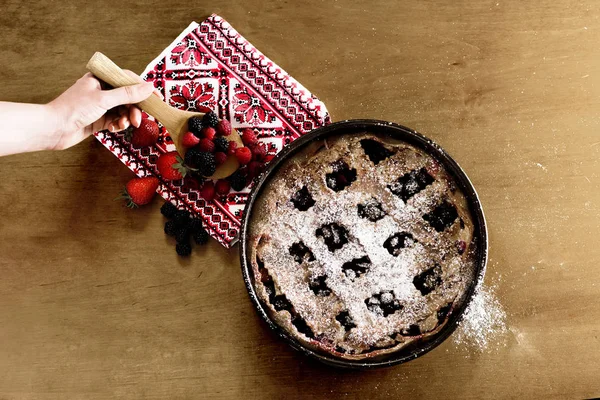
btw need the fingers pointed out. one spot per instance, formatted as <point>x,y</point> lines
<point>135,116</point>
<point>126,95</point>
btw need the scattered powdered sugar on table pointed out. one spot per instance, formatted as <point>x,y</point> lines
<point>483,325</point>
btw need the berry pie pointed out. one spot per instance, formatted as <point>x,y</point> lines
<point>361,245</point>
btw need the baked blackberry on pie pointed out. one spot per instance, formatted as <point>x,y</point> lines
<point>361,245</point>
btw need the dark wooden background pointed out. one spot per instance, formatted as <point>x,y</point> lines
<point>95,304</point>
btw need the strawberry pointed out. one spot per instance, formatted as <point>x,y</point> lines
<point>232,147</point>
<point>222,187</point>
<point>244,155</point>
<point>209,133</point>
<point>248,137</point>
<point>206,145</point>
<point>224,128</point>
<point>190,140</point>
<point>146,134</point>
<point>170,166</point>
<point>139,191</point>
<point>208,191</point>
<point>220,157</point>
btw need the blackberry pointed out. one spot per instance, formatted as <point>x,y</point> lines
<point>168,209</point>
<point>170,228</point>
<point>182,234</point>
<point>183,249</point>
<point>206,163</point>
<point>302,199</point>
<point>210,119</point>
<point>221,144</point>
<point>181,218</point>
<point>195,126</point>
<point>237,181</point>
<point>191,157</point>
<point>200,236</point>
<point>195,225</point>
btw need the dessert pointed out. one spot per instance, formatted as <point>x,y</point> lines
<point>361,245</point>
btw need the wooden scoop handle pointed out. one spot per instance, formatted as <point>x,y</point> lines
<point>105,69</point>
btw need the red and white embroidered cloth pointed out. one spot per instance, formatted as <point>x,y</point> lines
<point>210,66</point>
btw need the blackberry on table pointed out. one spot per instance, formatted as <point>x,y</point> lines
<point>168,209</point>
<point>182,234</point>
<point>181,217</point>
<point>221,144</point>
<point>195,225</point>
<point>200,236</point>
<point>206,163</point>
<point>210,119</point>
<point>237,181</point>
<point>183,249</point>
<point>170,228</point>
<point>195,126</point>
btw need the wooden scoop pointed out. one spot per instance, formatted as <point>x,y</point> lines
<point>176,121</point>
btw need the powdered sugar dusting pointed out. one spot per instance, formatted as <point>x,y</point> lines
<point>483,325</point>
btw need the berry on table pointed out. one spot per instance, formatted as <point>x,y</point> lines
<point>168,209</point>
<point>259,152</point>
<point>243,155</point>
<point>210,119</point>
<point>190,139</point>
<point>139,191</point>
<point>181,218</point>
<point>248,137</point>
<point>171,166</point>
<point>182,234</point>
<point>146,134</point>
<point>195,224</point>
<point>208,191</point>
<point>206,164</point>
<point>206,145</point>
<point>254,169</point>
<point>170,228</point>
<point>195,126</point>
<point>200,236</point>
<point>220,157</point>
<point>221,144</point>
<point>237,181</point>
<point>183,249</point>
<point>224,128</point>
<point>209,133</point>
<point>222,187</point>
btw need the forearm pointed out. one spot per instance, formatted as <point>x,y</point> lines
<point>27,127</point>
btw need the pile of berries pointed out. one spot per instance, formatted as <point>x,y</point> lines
<point>183,227</point>
<point>208,147</point>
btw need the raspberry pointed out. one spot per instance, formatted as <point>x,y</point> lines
<point>237,181</point>
<point>183,249</point>
<point>222,187</point>
<point>259,152</point>
<point>200,237</point>
<point>206,164</point>
<point>244,155</point>
<point>170,228</point>
<point>208,191</point>
<point>221,144</point>
<point>248,137</point>
<point>209,133</point>
<point>232,147</point>
<point>168,209</point>
<point>195,126</point>
<point>254,169</point>
<point>220,157</point>
<point>190,139</point>
<point>224,128</point>
<point>206,145</point>
<point>210,119</point>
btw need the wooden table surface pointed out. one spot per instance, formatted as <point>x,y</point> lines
<point>95,304</point>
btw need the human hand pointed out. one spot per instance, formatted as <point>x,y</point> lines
<point>85,108</point>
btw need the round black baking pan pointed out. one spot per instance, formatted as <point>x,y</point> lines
<point>395,131</point>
